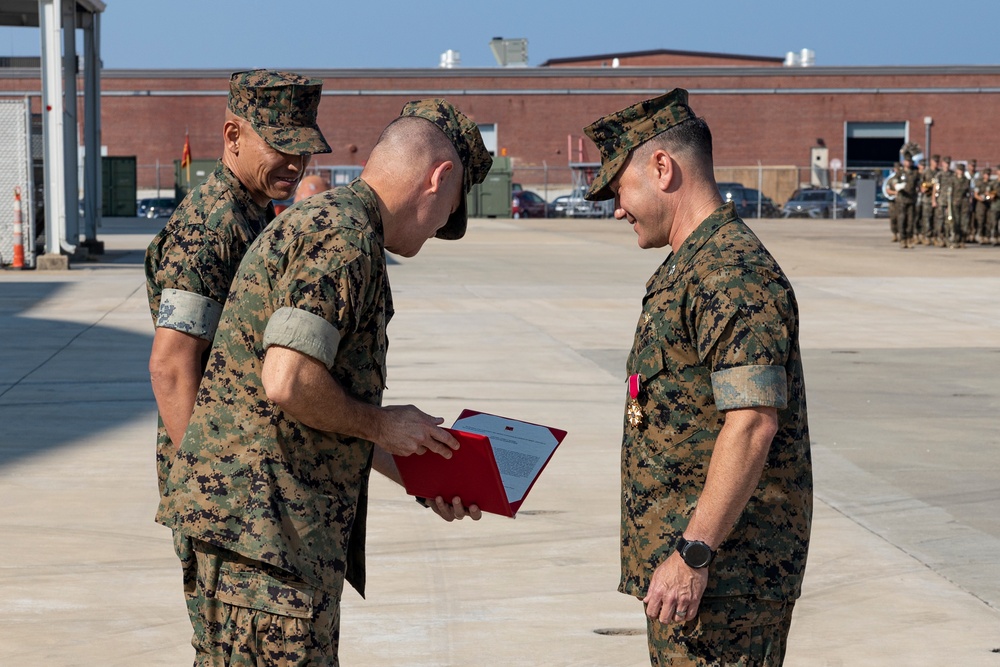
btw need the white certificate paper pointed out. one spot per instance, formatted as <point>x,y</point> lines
<point>521,449</point>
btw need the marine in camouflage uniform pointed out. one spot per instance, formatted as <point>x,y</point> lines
<point>960,188</point>
<point>891,184</point>
<point>268,486</point>
<point>717,341</point>
<point>906,200</point>
<point>992,231</point>
<point>981,197</point>
<point>926,201</point>
<point>191,262</point>
<point>942,197</point>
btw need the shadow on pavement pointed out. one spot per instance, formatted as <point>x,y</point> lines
<point>63,381</point>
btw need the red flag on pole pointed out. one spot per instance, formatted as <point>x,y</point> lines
<point>186,156</point>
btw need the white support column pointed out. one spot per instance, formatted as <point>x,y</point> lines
<point>71,141</point>
<point>92,187</point>
<point>49,15</point>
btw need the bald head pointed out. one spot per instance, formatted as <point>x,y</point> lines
<point>416,174</point>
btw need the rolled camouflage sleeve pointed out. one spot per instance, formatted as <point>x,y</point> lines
<point>749,387</point>
<point>304,332</point>
<point>189,313</point>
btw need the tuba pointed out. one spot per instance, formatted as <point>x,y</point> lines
<point>885,185</point>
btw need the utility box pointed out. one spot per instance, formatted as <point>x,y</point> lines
<point>118,186</point>
<point>492,197</point>
<point>865,193</point>
<point>200,171</point>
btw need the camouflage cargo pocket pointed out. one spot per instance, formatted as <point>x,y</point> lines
<point>262,592</point>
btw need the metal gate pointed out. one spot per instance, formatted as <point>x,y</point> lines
<point>16,172</point>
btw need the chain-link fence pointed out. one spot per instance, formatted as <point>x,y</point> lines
<point>557,183</point>
<point>156,180</point>
<point>16,172</point>
<point>775,183</point>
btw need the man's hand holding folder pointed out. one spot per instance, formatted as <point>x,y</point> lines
<point>494,468</point>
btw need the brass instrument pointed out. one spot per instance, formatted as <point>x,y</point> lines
<point>889,180</point>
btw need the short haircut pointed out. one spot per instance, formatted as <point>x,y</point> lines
<point>691,137</point>
<point>413,131</point>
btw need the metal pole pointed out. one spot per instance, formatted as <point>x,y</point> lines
<point>760,188</point>
<point>834,193</point>
<point>545,166</point>
<point>92,197</point>
<point>927,138</point>
<point>71,164</point>
<point>157,178</point>
<point>50,15</point>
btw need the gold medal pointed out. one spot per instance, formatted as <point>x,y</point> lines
<point>634,413</point>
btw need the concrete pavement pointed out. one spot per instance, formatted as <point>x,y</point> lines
<point>531,319</point>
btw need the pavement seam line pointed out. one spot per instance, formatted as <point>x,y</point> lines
<point>70,342</point>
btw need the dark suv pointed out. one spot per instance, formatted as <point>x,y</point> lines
<point>746,200</point>
<point>816,203</point>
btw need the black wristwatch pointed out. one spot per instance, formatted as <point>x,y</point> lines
<point>695,553</point>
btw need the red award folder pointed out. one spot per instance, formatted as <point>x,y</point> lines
<point>495,467</point>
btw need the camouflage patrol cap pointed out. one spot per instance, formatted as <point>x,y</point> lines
<point>617,134</point>
<point>468,142</point>
<point>281,108</point>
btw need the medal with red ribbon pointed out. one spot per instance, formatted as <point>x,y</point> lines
<point>633,411</point>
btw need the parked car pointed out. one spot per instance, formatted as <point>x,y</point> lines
<point>557,209</point>
<point>155,207</point>
<point>881,205</point>
<point>815,203</point>
<point>574,205</point>
<point>736,193</point>
<point>528,204</point>
<point>746,200</point>
<point>768,209</point>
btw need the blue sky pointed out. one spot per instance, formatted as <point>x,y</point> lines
<point>321,34</point>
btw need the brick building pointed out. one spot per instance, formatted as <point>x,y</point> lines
<point>766,118</point>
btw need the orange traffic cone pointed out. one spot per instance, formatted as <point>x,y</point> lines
<point>18,231</point>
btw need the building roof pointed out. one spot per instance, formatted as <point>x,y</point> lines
<point>667,56</point>
<point>25,12</point>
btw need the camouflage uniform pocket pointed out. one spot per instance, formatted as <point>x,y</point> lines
<point>665,398</point>
<point>263,592</point>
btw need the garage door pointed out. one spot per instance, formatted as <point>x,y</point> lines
<point>874,145</point>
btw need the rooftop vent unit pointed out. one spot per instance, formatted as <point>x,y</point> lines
<point>510,52</point>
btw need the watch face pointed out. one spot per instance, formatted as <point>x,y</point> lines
<point>696,554</point>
